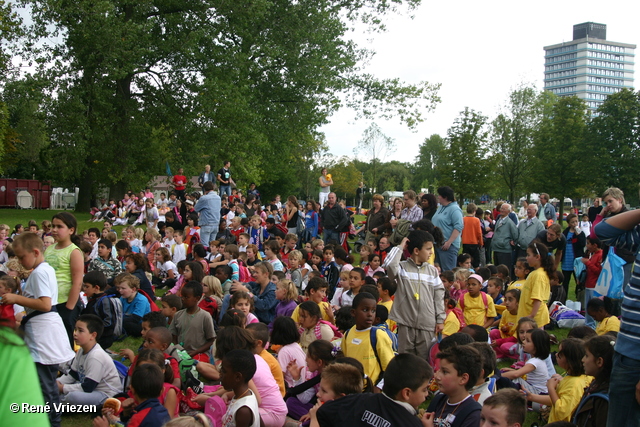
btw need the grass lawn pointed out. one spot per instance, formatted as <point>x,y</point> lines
<point>11,217</point>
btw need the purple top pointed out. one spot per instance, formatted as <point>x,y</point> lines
<point>283,309</point>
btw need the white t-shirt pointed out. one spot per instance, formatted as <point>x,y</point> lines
<point>179,253</point>
<point>539,376</point>
<point>165,268</point>
<point>45,334</point>
<point>96,365</point>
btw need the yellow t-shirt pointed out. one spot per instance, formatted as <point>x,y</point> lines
<point>324,306</point>
<point>570,390</point>
<point>610,324</point>
<point>451,324</point>
<point>536,288</point>
<point>510,320</point>
<point>357,344</point>
<point>275,368</point>
<point>516,284</point>
<point>475,312</point>
<point>390,323</point>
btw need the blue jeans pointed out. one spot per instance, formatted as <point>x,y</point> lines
<point>225,189</point>
<point>588,320</point>
<point>447,259</point>
<point>330,235</point>
<point>624,409</point>
<point>208,233</point>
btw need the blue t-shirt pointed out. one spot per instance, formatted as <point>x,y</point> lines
<point>139,306</point>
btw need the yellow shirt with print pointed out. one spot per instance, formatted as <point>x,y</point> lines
<point>509,320</point>
<point>516,284</point>
<point>324,306</point>
<point>610,324</point>
<point>357,344</point>
<point>475,312</point>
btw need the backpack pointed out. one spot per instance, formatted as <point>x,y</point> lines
<point>243,272</point>
<point>604,396</point>
<point>484,300</point>
<point>460,316</point>
<point>152,302</point>
<point>392,336</point>
<point>115,306</point>
<point>123,372</point>
<point>374,346</point>
<point>188,372</point>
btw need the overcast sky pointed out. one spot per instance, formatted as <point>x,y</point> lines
<point>478,51</point>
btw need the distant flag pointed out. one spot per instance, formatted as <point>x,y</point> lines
<point>168,169</point>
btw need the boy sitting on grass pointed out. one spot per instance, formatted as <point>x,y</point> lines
<point>93,377</point>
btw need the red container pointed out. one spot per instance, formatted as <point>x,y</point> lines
<point>40,191</point>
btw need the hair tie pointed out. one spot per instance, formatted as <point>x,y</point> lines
<point>613,343</point>
<point>335,350</point>
<point>167,362</point>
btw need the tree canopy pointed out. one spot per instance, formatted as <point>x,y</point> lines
<point>128,86</point>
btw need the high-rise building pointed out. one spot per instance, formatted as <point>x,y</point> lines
<point>589,66</point>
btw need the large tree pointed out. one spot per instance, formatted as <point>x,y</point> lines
<point>512,139</point>
<point>463,164</point>
<point>134,84</point>
<point>375,145</point>
<point>614,144</point>
<point>558,153</point>
<point>427,172</point>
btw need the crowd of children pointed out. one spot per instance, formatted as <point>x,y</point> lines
<point>260,327</point>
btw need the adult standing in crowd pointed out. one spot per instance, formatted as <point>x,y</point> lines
<point>224,179</point>
<point>623,231</point>
<point>528,229</point>
<point>359,197</point>
<point>334,219</point>
<point>472,235</point>
<point>292,214</point>
<point>547,210</point>
<point>504,238</point>
<point>448,218</point>
<point>412,211</point>
<point>179,184</point>
<point>429,206</point>
<point>208,207</point>
<point>325,182</point>
<point>205,176</point>
<point>553,239</point>
<point>613,198</point>
<point>594,210</point>
<point>377,219</point>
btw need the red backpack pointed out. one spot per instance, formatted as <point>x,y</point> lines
<point>459,316</point>
<point>152,302</point>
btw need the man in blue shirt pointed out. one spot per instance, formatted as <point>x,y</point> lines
<point>208,207</point>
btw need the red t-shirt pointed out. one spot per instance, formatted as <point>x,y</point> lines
<point>179,182</point>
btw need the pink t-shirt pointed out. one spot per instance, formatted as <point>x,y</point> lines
<point>286,355</point>
<point>270,397</point>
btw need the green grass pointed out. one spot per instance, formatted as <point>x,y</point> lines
<point>11,217</point>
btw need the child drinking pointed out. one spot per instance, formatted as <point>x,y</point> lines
<point>312,327</point>
<point>600,311</point>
